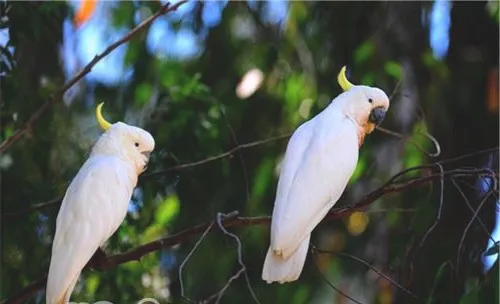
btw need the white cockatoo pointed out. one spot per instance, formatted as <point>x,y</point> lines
<point>96,202</point>
<point>318,163</point>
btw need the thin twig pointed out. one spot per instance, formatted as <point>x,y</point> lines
<point>216,157</point>
<point>441,200</point>
<point>330,283</point>
<point>437,147</point>
<point>218,295</point>
<point>181,267</point>
<point>240,153</point>
<point>53,202</point>
<point>467,203</point>
<point>240,259</point>
<point>55,97</point>
<point>182,236</point>
<point>56,201</point>
<point>464,234</point>
<point>225,287</point>
<point>380,273</point>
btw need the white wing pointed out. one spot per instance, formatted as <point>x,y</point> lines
<point>94,206</point>
<point>319,161</point>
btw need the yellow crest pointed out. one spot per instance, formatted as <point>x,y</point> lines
<point>342,79</point>
<point>100,119</point>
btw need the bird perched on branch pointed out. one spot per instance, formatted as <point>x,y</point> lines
<point>96,202</point>
<point>318,163</point>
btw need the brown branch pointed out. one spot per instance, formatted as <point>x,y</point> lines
<point>55,97</point>
<point>56,201</point>
<point>392,186</point>
<point>13,215</point>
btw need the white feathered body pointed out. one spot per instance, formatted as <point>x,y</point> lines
<point>318,163</point>
<point>93,208</point>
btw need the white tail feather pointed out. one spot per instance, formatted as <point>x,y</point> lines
<point>277,269</point>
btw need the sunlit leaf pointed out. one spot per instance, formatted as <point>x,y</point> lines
<point>360,168</point>
<point>167,210</point>
<point>91,283</point>
<point>357,222</point>
<point>152,232</point>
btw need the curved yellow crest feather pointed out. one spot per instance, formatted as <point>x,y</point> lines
<point>342,79</point>
<point>100,119</point>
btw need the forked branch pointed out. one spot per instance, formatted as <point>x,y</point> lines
<point>394,185</point>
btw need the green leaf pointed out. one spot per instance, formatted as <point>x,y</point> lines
<point>132,53</point>
<point>123,14</point>
<point>413,157</point>
<point>262,179</point>
<point>368,79</point>
<point>393,218</point>
<point>91,283</point>
<point>364,52</point>
<point>167,210</point>
<point>152,232</point>
<point>360,168</point>
<point>143,93</point>
<point>301,295</point>
<point>394,69</point>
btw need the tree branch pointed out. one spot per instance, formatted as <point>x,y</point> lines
<point>392,186</point>
<point>216,157</point>
<point>55,97</point>
<point>13,215</point>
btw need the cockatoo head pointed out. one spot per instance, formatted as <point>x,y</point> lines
<point>365,105</point>
<point>130,143</point>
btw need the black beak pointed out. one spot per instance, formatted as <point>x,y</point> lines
<point>377,115</point>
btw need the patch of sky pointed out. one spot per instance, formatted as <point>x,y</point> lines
<point>440,28</point>
<point>136,202</point>
<point>162,40</point>
<point>275,12</point>
<point>212,13</point>
<point>91,39</point>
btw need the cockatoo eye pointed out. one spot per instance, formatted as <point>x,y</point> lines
<point>136,144</point>
<point>370,100</point>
